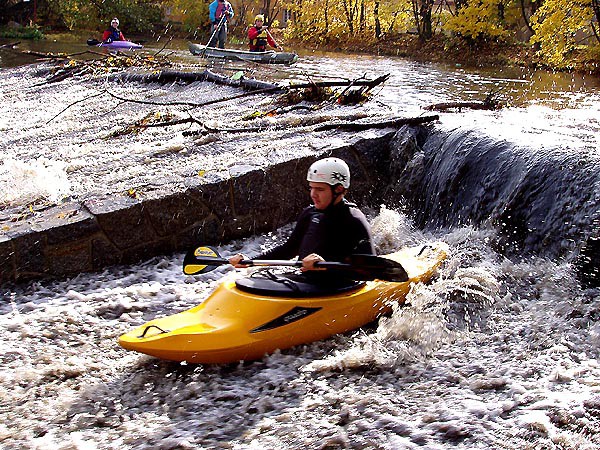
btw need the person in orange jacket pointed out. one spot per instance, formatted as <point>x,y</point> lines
<point>259,36</point>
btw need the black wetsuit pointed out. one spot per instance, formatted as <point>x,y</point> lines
<point>334,233</point>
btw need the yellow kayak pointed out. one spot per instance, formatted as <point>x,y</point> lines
<point>245,319</point>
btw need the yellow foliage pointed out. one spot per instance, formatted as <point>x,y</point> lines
<point>559,25</point>
<point>478,19</point>
<point>319,21</point>
<point>193,12</point>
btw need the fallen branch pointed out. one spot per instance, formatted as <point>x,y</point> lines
<point>164,46</point>
<point>194,105</point>
<point>353,126</point>
<point>10,45</point>
<point>359,82</point>
<point>489,103</point>
<point>46,55</point>
<point>344,126</point>
<point>153,120</point>
<point>72,104</point>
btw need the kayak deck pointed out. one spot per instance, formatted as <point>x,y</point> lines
<point>232,325</point>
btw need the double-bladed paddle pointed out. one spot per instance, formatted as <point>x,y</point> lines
<point>359,267</point>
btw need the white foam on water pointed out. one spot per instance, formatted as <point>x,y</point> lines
<point>490,354</point>
<point>39,179</point>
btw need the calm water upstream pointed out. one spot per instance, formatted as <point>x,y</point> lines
<point>500,351</point>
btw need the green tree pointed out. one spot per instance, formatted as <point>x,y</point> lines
<point>135,16</point>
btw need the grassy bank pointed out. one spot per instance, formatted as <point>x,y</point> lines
<point>33,32</point>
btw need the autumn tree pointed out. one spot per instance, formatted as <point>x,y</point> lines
<point>422,13</point>
<point>478,19</point>
<point>194,13</point>
<point>560,27</point>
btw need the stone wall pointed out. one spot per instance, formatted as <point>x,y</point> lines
<point>87,236</point>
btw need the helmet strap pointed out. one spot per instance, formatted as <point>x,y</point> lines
<point>335,195</point>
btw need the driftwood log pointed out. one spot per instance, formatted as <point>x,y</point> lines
<point>172,76</point>
<point>491,102</point>
<point>354,126</point>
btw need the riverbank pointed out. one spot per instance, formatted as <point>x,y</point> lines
<point>446,50</point>
<point>455,52</point>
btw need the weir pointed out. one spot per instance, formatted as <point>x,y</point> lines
<point>88,235</point>
<point>540,203</point>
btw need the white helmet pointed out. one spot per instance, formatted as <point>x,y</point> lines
<point>331,171</point>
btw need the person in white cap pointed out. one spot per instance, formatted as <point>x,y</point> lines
<point>113,33</point>
<point>331,229</point>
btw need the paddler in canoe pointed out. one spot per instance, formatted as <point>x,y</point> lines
<point>259,36</point>
<point>331,229</point>
<point>219,12</point>
<point>113,33</point>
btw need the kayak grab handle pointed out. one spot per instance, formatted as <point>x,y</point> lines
<point>423,249</point>
<point>152,326</point>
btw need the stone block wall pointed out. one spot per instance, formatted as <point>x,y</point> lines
<point>87,236</point>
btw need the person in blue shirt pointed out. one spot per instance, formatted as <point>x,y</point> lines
<point>218,10</point>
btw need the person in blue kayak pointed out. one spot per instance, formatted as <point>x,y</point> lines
<point>219,10</point>
<point>259,36</point>
<point>113,33</point>
<point>331,229</point>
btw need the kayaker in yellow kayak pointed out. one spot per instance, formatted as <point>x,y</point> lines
<point>331,229</point>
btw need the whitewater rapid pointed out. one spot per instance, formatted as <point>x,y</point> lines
<point>492,354</point>
<point>496,352</point>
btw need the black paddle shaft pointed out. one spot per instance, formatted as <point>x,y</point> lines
<point>360,267</point>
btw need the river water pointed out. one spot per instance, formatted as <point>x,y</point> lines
<point>500,351</point>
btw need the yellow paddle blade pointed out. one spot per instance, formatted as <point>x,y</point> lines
<point>195,261</point>
<point>192,269</point>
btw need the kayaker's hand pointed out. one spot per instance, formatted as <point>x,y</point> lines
<point>235,261</point>
<point>308,263</point>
